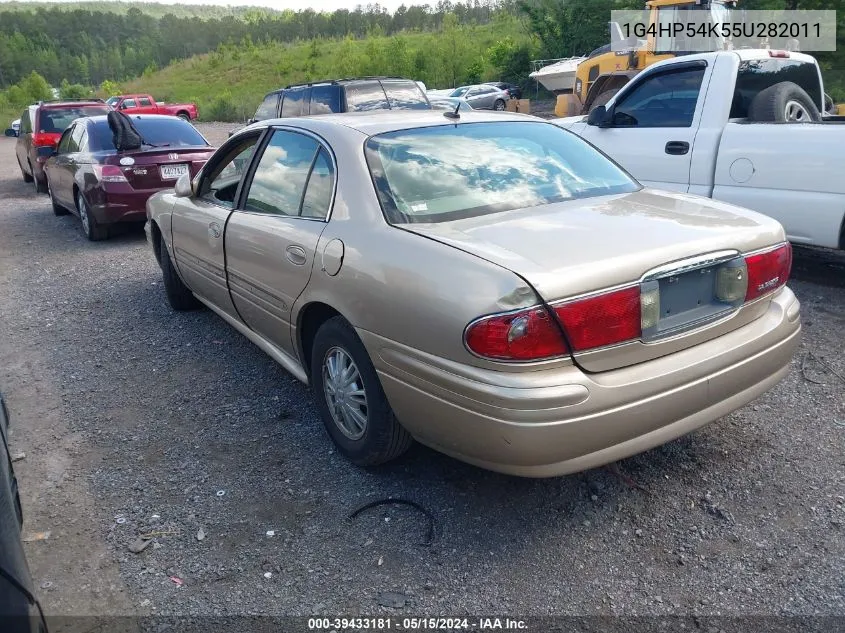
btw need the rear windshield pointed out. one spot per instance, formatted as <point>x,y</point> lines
<point>57,120</point>
<point>759,74</point>
<point>164,132</point>
<point>405,95</point>
<point>365,96</point>
<point>445,173</point>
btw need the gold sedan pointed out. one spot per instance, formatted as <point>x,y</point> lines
<point>487,284</point>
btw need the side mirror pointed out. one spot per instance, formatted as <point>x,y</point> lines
<point>599,117</point>
<point>183,188</point>
<point>11,132</point>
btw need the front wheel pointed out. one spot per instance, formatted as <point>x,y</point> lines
<point>350,398</point>
<point>179,296</point>
<point>499,105</point>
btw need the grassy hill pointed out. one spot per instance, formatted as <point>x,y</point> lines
<point>229,83</point>
<point>152,9</point>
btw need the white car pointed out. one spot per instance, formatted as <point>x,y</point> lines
<point>739,126</point>
<point>16,126</point>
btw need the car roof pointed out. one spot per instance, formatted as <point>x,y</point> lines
<point>100,118</point>
<point>344,81</point>
<point>69,104</point>
<point>379,122</point>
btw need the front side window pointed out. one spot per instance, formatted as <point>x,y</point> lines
<point>282,176</point>
<point>223,173</point>
<point>365,96</point>
<point>443,173</point>
<point>267,109</point>
<point>292,105</point>
<point>662,100</point>
<point>128,103</point>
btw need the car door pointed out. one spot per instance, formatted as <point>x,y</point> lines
<point>272,238</point>
<point>199,221</point>
<point>24,142</point>
<point>652,126</point>
<point>146,106</point>
<point>61,167</point>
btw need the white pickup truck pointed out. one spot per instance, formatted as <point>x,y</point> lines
<point>739,126</point>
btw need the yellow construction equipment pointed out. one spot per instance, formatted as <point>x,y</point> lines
<point>605,71</point>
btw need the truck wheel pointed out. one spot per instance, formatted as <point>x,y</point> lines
<point>184,116</point>
<point>785,102</point>
<point>603,98</point>
<point>178,294</point>
<point>350,397</point>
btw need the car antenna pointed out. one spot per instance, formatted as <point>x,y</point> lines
<point>453,115</point>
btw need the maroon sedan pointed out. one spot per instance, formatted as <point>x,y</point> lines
<point>104,185</point>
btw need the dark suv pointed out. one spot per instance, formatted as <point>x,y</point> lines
<point>343,95</point>
<point>42,125</point>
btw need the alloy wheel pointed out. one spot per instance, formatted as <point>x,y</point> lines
<point>796,112</point>
<point>83,214</point>
<point>344,390</point>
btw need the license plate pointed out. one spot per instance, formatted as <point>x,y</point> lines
<point>173,172</point>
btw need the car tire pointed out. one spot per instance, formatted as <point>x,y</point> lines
<point>785,102</point>
<point>90,227</point>
<point>57,208</point>
<point>379,438</point>
<point>26,177</point>
<point>179,296</point>
<point>499,106</point>
<point>184,117</point>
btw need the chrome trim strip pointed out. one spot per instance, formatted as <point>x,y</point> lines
<point>689,264</point>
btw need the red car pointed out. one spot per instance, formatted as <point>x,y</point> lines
<point>41,126</point>
<point>104,185</point>
<point>145,104</point>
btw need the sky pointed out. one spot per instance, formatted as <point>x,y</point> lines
<point>317,5</point>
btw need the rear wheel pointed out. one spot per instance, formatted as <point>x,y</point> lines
<point>350,397</point>
<point>184,116</point>
<point>26,177</point>
<point>92,229</point>
<point>499,105</point>
<point>178,294</point>
<point>57,208</point>
<point>785,102</point>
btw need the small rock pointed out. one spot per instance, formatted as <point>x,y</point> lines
<point>392,599</point>
<point>16,457</point>
<point>139,545</point>
<point>638,532</point>
<point>380,561</point>
<point>428,585</point>
<point>201,534</point>
<point>594,497</point>
<point>268,575</point>
<point>46,584</point>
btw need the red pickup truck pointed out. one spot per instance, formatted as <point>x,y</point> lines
<point>145,104</point>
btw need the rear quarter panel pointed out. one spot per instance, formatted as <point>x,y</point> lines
<point>785,171</point>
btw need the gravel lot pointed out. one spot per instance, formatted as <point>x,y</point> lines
<point>135,419</point>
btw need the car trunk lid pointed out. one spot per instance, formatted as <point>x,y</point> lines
<point>670,244</point>
<point>161,167</point>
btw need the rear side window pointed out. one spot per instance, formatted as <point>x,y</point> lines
<point>365,96</point>
<point>325,99</point>
<point>163,132</point>
<point>267,109</point>
<point>759,74</point>
<point>292,105</point>
<point>405,95</point>
<point>56,120</point>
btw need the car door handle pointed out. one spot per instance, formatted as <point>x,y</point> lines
<point>677,148</point>
<point>296,255</point>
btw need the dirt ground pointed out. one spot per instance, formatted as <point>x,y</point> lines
<point>137,420</point>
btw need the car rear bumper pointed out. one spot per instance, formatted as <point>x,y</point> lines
<point>562,420</point>
<point>111,207</point>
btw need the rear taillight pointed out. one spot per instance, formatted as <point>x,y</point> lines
<point>526,335</point>
<point>44,140</point>
<point>768,271</point>
<point>604,319</point>
<point>109,173</point>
